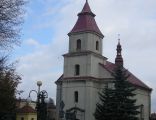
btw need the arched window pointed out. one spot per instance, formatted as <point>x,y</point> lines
<point>97,45</point>
<point>76,95</point>
<point>77,69</point>
<point>78,44</point>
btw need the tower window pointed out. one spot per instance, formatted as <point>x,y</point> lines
<point>77,69</point>
<point>76,96</point>
<point>97,45</point>
<point>78,44</point>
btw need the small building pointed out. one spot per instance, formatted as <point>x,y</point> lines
<point>22,102</point>
<point>26,113</point>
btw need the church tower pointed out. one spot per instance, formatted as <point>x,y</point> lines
<point>85,46</point>
<point>86,72</point>
<point>77,86</point>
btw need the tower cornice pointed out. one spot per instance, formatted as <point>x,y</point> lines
<point>87,31</point>
<point>84,53</point>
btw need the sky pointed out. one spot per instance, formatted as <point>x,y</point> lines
<point>45,39</point>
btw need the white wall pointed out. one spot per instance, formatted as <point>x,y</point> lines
<point>143,97</point>
<point>88,41</point>
<point>89,65</point>
<point>88,96</point>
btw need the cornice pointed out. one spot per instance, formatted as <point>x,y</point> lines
<point>84,53</point>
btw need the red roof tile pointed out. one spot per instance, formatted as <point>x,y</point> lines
<point>26,109</point>
<point>132,78</point>
<point>86,22</point>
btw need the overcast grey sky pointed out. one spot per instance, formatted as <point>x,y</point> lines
<point>45,39</point>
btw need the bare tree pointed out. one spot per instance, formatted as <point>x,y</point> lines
<point>9,79</point>
<point>11,17</point>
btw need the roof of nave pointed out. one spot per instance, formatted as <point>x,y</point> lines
<point>110,67</point>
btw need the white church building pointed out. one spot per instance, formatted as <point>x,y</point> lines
<point>87,72</point>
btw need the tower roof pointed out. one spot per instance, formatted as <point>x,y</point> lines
<point>86,22</point>
<point>119,59</point>
<point>26,109</point>
<point>132,78</point>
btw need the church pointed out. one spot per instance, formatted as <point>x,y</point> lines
<point>87,72</point>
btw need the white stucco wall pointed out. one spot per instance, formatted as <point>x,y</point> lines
<point>88,42</point>
<point>143,97</point>
<point>89,65</point>
<point>88,97</point>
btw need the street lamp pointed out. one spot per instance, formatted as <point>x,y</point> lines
<point>41,105</point>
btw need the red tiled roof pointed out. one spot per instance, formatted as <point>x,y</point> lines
<point>132,78</point>
<point>86,22</point>
<point>26,109</point>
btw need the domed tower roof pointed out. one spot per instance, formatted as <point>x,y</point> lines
<point>86,22</point>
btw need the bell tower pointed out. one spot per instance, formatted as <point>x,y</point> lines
<point>85,46</point>
<point>77,87</point>
<point>85,35</point>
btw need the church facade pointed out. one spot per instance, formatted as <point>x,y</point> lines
<point>87,72</point>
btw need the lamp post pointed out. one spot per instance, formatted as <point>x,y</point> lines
<point>41,105</point>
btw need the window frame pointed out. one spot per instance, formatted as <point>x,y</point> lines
<point>77,69</point>
<point>97,45</point>
<point>78,44</point>
<point>76,96</point>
